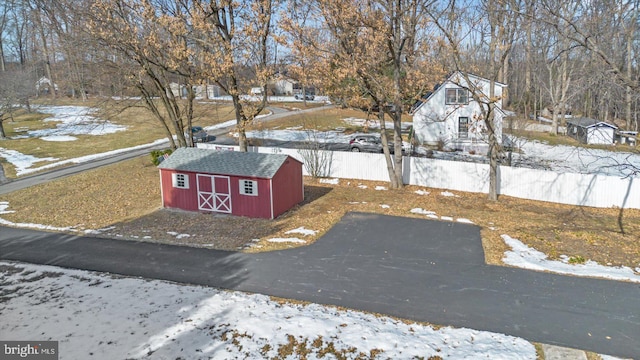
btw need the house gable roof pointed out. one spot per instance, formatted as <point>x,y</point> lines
<point>587,123</point>
<point>425,98</point>
<point>225,162</point>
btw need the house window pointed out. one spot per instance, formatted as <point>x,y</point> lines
<point>463,127</point>
<point>249,187</point>
<point>457,96</point>
<point>180,181</point>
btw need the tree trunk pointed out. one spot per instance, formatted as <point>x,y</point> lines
<point>493,146</point>
<point>628,90</point>
<point>240,123</point>
<point>3,135</point>
<point>385,147</point>
<point>2,62</point>
<point>504,78</point>
<point>47,57</point>
<point>397,93</point>
<point>527,62</point>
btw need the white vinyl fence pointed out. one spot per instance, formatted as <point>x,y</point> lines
<point>564,188</point>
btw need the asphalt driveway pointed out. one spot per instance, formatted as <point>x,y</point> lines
<point>412,268</point>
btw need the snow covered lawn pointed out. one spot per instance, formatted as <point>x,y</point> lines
<point>96,315</point>
<point>71,120</point>
<point>525,257</point>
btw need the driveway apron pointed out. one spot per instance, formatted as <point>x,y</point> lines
<point>417,269</point>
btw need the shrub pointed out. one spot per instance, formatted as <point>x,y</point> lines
<point>157,155</point>
<point>577,259</point>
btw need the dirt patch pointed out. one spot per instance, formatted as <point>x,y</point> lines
<point>223,232</point>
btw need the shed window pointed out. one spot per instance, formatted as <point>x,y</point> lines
<point>456,96</point>
<point>180,181</point>
<point>249,187</point>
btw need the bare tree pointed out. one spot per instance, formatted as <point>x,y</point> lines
<point>371,53</point>
<point>155,53</point>
<point>16,89</point>
<point>498,34</point>
<point>233,40</point>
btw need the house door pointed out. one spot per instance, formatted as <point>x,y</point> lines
<point>463,127</point>
<point>214,193</point>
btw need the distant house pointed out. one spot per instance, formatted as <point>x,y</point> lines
<point>591,131</point>
<point>281,85</point>
<point>44,86</point>
<point>228,182</point>
<point>450,115</point>
<point>201,91</point>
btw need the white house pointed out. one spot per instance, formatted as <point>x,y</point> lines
<point>451,116</point>
<point>201,91</point>
<point>43,85</point>
<point>282,85</point>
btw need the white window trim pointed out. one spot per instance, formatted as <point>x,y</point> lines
<point>175,182</point>
<point>254,187</point>
<point>457,101</point>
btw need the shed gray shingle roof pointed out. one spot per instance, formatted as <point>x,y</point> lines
<point>587,122</point>
<point>224,162</point>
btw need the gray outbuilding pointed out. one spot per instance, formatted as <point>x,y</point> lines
<point>591,131</point>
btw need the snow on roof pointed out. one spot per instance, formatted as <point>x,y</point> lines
<point>587,122</point>
<point>224,162</point>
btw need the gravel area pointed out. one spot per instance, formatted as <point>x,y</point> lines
<point>177,227</point>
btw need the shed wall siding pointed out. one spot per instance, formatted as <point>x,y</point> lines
<point>251,206</point>
<point>287,187</point>
<point>600,135</point>
<point>176,198</point>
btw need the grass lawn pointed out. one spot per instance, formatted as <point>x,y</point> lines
<point>296,105</point>
<point>325,120</point>
<point>142,128</point>
<point>96,199</point>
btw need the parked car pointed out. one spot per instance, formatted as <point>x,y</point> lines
<point>198,134</point>
<point>365,143</point>
<point>373,143</point>
<point>305,97</point>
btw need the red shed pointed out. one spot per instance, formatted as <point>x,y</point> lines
<point>239,183</point>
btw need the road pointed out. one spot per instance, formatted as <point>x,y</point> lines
<point>27,181</point>
<point>416,269</point>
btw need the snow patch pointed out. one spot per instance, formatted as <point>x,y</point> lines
<point>422,211</point>
<point>421,192</point>
<point>381,188</point>
<point>302,230</point>
<point>464,221</point>
<point>449,194</point>
<point>59,138</point>
<point>22,162</point>
<point>74,120</point>
<point>3,208</point>
<point>287,240</point>
<point>384,206</point>
<point>525,257</point>
<point>447,218</point>
<point>35,226</point>
<point>330,181</point>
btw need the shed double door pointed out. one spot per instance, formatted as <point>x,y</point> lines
<point>214,193</point>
